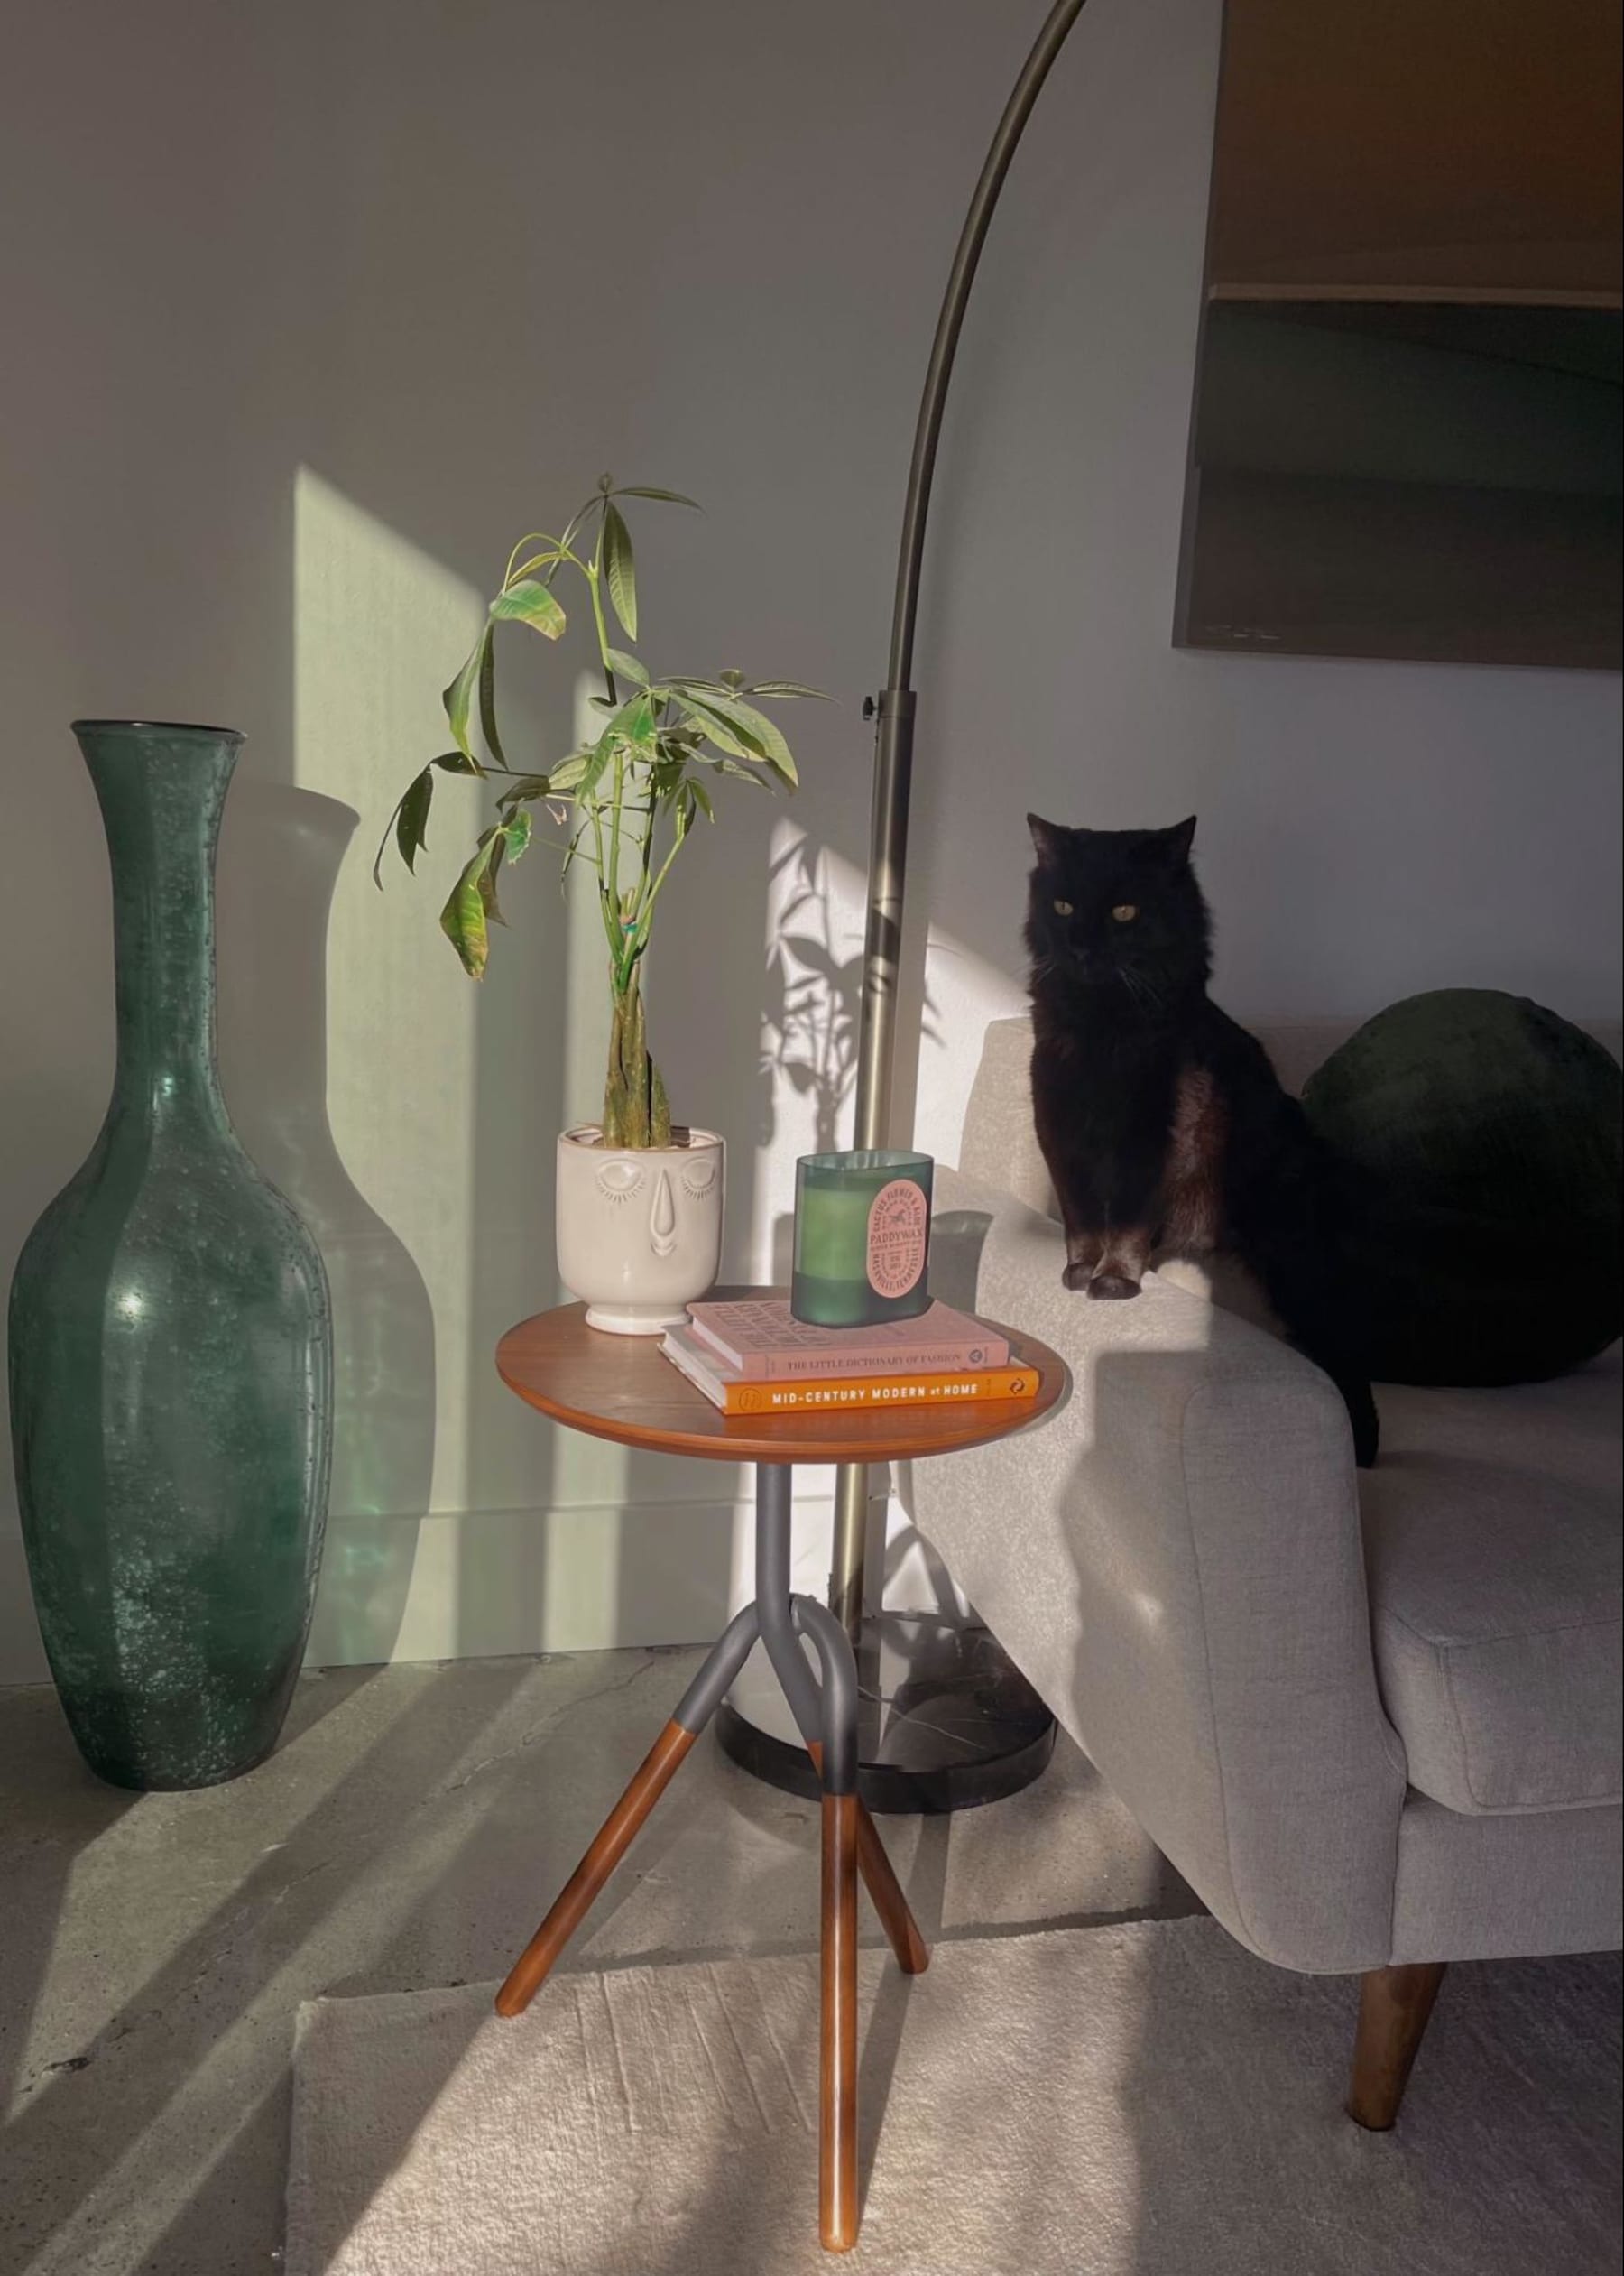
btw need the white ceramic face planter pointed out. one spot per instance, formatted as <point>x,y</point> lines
<point>640,1233</point>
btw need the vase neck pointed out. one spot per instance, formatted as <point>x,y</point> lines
<point>161,790</point>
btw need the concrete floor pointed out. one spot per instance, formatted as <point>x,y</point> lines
<point>410,1831</point>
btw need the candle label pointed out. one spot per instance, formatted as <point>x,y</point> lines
<point>897,1226</point>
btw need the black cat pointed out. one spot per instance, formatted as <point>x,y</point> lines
<point>1163,1125</point>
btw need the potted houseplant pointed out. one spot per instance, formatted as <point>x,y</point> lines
<point>639,1201</point>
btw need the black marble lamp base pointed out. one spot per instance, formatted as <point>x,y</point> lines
<point>945,1720</point>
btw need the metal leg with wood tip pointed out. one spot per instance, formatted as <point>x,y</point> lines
<point>826,1714</point>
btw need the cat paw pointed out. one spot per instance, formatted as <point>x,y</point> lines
<point>1107,1288</point>
<point>1076,1275</point>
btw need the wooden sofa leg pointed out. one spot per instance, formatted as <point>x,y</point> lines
<point>1394,2005</point>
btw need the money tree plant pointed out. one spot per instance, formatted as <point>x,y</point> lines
<point>624,803</point>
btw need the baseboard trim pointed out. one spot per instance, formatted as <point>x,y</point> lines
<point>477,1584</point>
<point>483,1584</point>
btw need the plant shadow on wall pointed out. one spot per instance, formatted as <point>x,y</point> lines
<point>812,1011</point>
<point>281,853</point>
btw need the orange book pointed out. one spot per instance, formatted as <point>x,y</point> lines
<point>734,1394</point>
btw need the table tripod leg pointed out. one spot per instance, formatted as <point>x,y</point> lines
<point>879,1877</point>
<point>838,2212</point>
<point>837,2207</point>
<point>614,1836</point>
<point>773,1487</point>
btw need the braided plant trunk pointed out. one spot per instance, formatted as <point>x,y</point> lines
<point>636,1110</point>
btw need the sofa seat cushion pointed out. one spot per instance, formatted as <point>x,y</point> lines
<point>1492,1529</point>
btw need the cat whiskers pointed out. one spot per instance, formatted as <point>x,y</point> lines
<point>1146,997</point>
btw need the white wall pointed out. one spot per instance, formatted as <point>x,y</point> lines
<point>309,310</point>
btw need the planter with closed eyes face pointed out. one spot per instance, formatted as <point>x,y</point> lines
<point>639,1228</point>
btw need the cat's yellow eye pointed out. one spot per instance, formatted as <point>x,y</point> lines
<point>1063,909</point>
<point>1124,913</point>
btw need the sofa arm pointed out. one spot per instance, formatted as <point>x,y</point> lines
<point>1173,1558</point>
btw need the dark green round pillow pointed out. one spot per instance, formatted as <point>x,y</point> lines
<point>1487,1131</point>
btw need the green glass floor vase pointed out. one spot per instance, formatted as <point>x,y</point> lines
<point>170,1341</point>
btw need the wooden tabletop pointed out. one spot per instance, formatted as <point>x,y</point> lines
<point>622,1387</point>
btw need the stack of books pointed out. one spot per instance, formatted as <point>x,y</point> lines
<point>753,1358</point>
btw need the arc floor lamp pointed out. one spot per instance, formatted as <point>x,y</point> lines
<point>958,1723</point>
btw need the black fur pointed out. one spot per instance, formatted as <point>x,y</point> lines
<point>1163,1123</point>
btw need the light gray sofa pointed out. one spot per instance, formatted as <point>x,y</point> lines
<point>1372,1718</point>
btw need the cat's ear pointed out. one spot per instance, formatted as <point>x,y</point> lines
<point>1175,844</point>
<point>1049,837</point>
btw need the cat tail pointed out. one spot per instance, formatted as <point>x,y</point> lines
<point>1315,1296</point>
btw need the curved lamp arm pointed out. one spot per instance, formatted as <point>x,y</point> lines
<point>893,740</point>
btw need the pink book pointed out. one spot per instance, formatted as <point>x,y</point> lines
<point>761,1340</point>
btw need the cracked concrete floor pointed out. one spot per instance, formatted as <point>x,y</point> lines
<point>408,1832</point>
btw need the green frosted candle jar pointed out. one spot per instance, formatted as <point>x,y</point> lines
<point>861,1238</point>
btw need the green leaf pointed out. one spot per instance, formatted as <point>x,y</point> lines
<point>462,918</point>
<point>549,562</point>
<point>594,763</point>
<point>667,497</point>
<point>666,774</point>
<point>495,846</point>
<point>732,766</point>
<point>628,667</point>
<point>527,787</point>
<point>487,704</point>
<point>701,797</point>
<point>634,722</point>
<point>570,772</point>
<point>621,570</point>
<point>529,603</point>
<point>517,833</point>
<point>719,728</point>
<point>756,729</point>
<point>459,700</point>
<point>785,688</point>
<point>411,818</point>
<point>456,763</point>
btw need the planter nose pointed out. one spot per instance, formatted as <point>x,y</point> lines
<point>662,1218</point>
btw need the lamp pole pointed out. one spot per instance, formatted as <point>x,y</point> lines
<point>894,735</point>
<point>944,1719</point>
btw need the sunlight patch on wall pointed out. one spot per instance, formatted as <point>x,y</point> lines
<point>581,1561</point>
<point>372,615</point>
<point>963,992</point>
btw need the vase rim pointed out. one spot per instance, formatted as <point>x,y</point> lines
<point>589,1136</point>
<point>160,726</point>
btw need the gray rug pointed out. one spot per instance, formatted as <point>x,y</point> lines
<point>1140,2100</point>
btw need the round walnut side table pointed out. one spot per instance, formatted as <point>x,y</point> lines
<point>620,1387</point>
